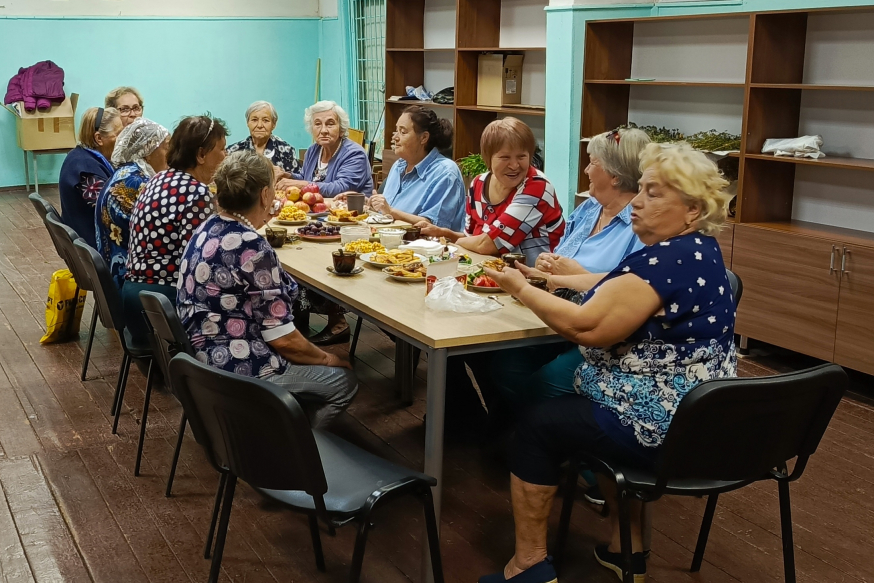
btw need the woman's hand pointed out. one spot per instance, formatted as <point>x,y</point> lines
<point>279,173</point>
<point>379,204</point>
<point>284,184</point>
<point>429,230</point>
<point>334,360</point>
<point>532,272</point>
<point>510,280</point>
<point>558,265</point>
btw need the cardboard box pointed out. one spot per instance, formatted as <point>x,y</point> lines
<point>54,129</point>
<point>499,80</point>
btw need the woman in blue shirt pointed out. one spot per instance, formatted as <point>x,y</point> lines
<point>423,184</point>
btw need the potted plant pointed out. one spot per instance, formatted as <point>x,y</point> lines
<point>471,166</point>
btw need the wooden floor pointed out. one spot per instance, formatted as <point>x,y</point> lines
<point>71,509</point>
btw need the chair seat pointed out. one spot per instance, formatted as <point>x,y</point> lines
<point>136,348</point>
<point>645,481</point>
<point>352,475</point>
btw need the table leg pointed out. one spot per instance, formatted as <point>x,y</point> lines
<point>35,175</point>
<point>436,410</point>
<point>26,173</point>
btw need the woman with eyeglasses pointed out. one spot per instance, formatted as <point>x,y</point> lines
<point>128,101</point>
<point>87,168</point>
<point>172,205</point>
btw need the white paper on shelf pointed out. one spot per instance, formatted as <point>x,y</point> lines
<point>801,147</point>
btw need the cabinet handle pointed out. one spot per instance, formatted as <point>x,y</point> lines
<point>844,261</point>
<point>831,264</point>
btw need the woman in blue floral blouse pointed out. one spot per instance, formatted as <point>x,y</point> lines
<point>650,331</point>
<point>261,117</point>
<point>140,152</point>
<point>235,299</point>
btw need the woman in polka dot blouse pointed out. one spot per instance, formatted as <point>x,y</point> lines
<point>650,331</point>
<point>172,205</point>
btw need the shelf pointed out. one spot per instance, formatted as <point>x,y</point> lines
<point>810,87</point>
<point>499,49</point>
<point>405,103</point>
<point>662,83</point>
<point>807,229</point>
<point>507,109</point>
<point>446,50</point>
<point>827,162</point>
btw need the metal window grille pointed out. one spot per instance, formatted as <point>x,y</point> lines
<point>368,24</point>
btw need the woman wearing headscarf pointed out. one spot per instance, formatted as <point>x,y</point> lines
<point>140,152</point>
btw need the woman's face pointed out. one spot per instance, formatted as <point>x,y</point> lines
<point>261,124</point>
<point>210,161</point>
<point>659,211</point>
<point>158,159</point>
<point>326,129</point>
<point>600,181</point>
<point>510,166</point>
<point>405,142</point>
<point>129,107</point>
<point>106,142</point>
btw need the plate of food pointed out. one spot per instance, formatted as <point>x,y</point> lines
<point>291,216</point>
<point>319,232</point>
<point>363,246</point>
<point>478,281</point>
<point>391,258</point>
<point>317,215</point>
<point>408,272</point>
<point>344,217</point>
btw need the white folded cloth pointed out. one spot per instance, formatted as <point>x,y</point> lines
<point>423,246</point>
<point>801,147</point>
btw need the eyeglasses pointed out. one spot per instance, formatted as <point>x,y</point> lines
<point>126,111</point>
<point>614,134</point>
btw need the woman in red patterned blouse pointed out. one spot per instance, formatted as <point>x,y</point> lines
<point>512,208</point>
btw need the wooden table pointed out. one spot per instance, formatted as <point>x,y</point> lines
<point>399,308</point>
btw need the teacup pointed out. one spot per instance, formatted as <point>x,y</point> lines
<point>511,258</point>
<point>538,282</point>
<point>412,233</point>
<point>276,236</point>
<point>343,262</point>
<point>355,202</point>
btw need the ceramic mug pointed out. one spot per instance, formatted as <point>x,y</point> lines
<point>343,262</point>
<point>276,236</point>
<point>355,202</point>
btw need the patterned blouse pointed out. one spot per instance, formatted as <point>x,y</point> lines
<point>112,217</point>
<point>234,298</point>
<point>643,379</point>
<point>172,205</point>
<point>277,150</point>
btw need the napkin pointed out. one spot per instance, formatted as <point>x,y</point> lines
<point>423,246</point>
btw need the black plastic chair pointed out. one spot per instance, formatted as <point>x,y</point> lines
<point>107,301</point>
<point>63,238</point>
<point>261,435</point>
<point>726,434</point>
<point>42,206</point>
<point>737,285</point>
<point>169,339</point>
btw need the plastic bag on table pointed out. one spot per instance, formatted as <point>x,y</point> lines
<point>63,307</point>
<point>449,295</point>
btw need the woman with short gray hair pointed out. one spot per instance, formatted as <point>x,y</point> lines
<point>261,117</point>
<point>334,162</point>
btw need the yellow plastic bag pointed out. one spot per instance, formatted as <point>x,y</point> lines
<point>63,308</point>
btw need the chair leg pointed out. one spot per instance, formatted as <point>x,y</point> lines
<point>625,538</point>
<point>317,542</point>
<point>786,526</point>
<point>122,372</point>
<point>182,424</point>
<point>120,399</point>
<point>223,481</point>
<point>433,536</point>
<point>355,334</point>
<point>567,507</point>
<point>704,533</point>
<point>144,420</point>
<point>88,346</point>
<point>222,530</point>
<point>358,553</point>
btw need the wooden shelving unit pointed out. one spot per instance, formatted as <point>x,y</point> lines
<point>416,29</point>
<point>803,236</point>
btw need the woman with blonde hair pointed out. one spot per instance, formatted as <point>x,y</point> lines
<point>128,101</point>
<point>87,168</point>
<point>650,331</point>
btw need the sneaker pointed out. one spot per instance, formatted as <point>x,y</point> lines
<point>542,572</point>
<point>613,561</point>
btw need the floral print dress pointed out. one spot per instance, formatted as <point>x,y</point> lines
<point>234,298</point>
<point>277,150</point>
<point>112,217</point>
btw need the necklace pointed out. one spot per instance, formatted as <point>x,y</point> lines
<point>243,220</point>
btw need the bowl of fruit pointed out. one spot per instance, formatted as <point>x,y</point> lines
<point>319,232</point>
<point>306,199</point>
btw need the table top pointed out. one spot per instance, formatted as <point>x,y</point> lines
<point>401,305</point>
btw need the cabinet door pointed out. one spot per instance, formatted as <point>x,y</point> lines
<point>854,342</point>
<point>790,296</point>
<point>725,238</point>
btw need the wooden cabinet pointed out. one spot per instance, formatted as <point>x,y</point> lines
<point>791,288</point>
<point>725,238</point>
<point>854,342</point>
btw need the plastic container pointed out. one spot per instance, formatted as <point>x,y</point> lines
<point>391,238</point>
<point>354,233</point>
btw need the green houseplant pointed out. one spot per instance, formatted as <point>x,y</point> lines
<point>472,165</point>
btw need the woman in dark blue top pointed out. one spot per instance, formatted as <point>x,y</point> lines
<point>650,331</point>
<point>87,168</point>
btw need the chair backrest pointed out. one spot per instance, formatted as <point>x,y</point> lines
<point>254,428</point>
<point>737,285</point>
<point>107,298</point>
<point>742,428</point>
<point>64,237</point>
<point>356,136</point>
<point>42,206</point>
<point>170,336</point>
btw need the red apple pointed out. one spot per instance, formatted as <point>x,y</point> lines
<point>311,187</point>
<point>302,206</point>
<point>319,197</point>
<point>320,207</point>
<point>310,198</point>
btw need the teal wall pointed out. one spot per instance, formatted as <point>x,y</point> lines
<point>182,67</point>
<point>564,69</point>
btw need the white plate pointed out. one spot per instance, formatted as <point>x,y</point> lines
<point>402,278</point>
<point>317,215</point>
<point>452,249</point>
<point>485,290</point>
<point>365,257</point>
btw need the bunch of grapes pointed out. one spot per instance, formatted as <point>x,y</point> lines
<point>318,229</point>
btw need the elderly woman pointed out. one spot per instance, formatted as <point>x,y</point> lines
<point>128,102</point>
<point>235,299</point>
<point>423,185</point>
<point>87,168</point>
<point>261,117</point>
<point>334,162</point>
<point>173,204</point>
<point>512,208</point>
<point>652,329</point>
<point>140,152</point>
